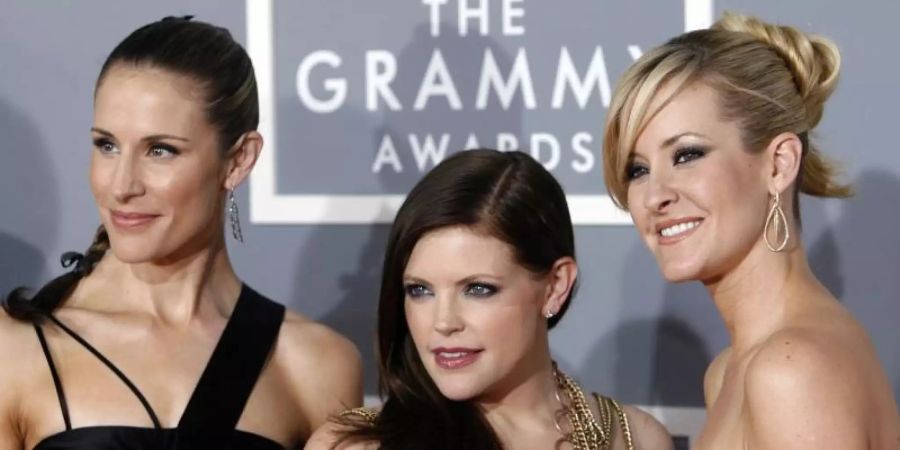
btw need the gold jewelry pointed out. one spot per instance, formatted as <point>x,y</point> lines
<point>776,215</point>
<point>366,414</point>
<point>583,431</point>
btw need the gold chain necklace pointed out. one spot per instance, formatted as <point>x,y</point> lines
<point>580,430</point>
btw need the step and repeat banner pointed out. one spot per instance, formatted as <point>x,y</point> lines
<point>359,99</point>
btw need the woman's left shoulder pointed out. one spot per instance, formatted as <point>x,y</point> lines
<point>647,433</point>
<point>809,384</point>
<point>322,368</point>
<point>311,346</point>
<point>804,369</point>
<point>805,355</point>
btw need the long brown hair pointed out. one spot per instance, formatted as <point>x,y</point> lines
<point>505,195</point>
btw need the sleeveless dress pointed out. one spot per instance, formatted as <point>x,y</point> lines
<point>610,412</point>
<point>216,404</point>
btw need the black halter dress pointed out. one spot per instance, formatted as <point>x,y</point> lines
<point>216,404</point>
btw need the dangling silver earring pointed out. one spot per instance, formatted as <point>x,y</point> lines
<point>234,217</point>
<point>776,220</point>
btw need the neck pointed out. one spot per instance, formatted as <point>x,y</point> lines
<point>755,297</point>
<point>175,291</point>
<point>527,401</point>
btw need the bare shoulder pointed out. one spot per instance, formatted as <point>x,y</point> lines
<point>310,344</point>
<point>803,389</point>
<point>324,368</point>
<point>803,358</point>
<point>328,434</point>
<point>19,342</point>
<point>647,433</point>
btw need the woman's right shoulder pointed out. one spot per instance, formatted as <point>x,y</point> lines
<point>15,335</point>
<point>18,344</point>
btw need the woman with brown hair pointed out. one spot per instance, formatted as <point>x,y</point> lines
<point>480,265</point>
<point>708,147</point>
<point>152,341</point>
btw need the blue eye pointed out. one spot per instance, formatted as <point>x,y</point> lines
<point>416,290</point>
<point>480,290</point>
<point>635,171</point>
<point>688,154</point>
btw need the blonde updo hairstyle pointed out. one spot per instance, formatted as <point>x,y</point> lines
<point>770,79</point>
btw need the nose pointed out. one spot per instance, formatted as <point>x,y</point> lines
<point>447,317</point>
<point>126,178</point>
<point>660,194</point>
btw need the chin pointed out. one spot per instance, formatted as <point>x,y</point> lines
<point>458,390</point>
<point>133,251</point>
<point>680,272</point>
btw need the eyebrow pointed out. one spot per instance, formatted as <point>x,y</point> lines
<point>152,137</point>
<point>464,281</point>
<point>416,280</point>
<point>668,142</point>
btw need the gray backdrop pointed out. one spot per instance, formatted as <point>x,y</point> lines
<point>628,334</point>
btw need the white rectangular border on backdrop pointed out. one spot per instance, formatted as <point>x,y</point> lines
<point>267,206</point>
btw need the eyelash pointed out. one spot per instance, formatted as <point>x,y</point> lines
<point>691,153</point>
<point>477,290</point>
<point>415,291</point>
<point>168,149</point>
<point>632,171</point>
<point>100,144</point>
<point>155,151</point>
<point>480,290</point>
<point>682,156</point>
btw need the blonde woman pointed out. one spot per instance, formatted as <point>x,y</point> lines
<point>708,146</point>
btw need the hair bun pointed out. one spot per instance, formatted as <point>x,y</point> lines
<point>813,60</point>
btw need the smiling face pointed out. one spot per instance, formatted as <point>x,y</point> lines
<point>474,314</point>
<point>156,172</point>
<point>696,195</point>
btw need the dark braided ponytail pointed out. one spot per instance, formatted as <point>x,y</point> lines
<point>49,297</point>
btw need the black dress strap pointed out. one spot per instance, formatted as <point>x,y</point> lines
<point>218,400</point>
<point>57,382</point>
<point>111,367</point>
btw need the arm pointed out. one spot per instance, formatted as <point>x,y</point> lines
<point>646,432</point>
<point>803,393</point>
<point>11,436</point>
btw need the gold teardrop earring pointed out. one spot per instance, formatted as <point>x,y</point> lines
<point>776,215</point>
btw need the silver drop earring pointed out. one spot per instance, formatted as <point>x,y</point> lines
<point>234,217</point>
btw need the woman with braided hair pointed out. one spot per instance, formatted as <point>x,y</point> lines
<point>479,266</point>
<point>152,341</point>
<point>708,145</point>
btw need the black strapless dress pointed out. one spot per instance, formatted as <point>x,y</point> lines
<point>216,404</point>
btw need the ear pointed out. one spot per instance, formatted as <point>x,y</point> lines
<point>561,279</point>
<point>786,152</point>
<point>242,158</point>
